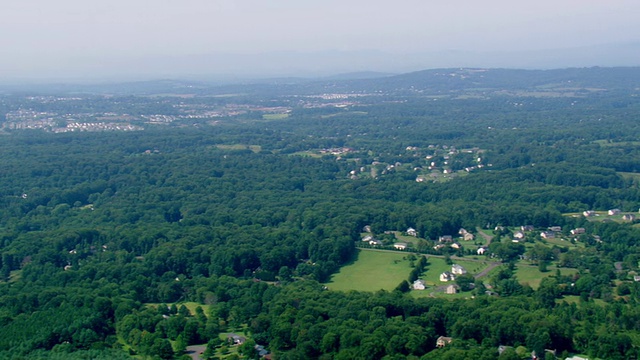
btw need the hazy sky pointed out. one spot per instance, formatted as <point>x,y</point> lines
<point>41,36</point>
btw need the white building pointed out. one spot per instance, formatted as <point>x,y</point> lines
<point>458,270</point>
<point>419,285</point>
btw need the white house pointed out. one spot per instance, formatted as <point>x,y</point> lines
<point>518,235</point>
<point>447,276</point>
<point>481,250</point>
<point>577,231</point>
<point>613,212</point>
<point>548,235</point>
<point>451,289</point>
<point>419,285</point>
<point>400,246</point>
<point>589,213</point>
<point>458,270</point>
<point>412,232</point>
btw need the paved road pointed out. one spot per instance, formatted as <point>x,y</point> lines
<point>486,237</point>
<point>486,270</point>
<point>195,350</point>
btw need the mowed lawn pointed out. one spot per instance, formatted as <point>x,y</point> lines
<point>372,271</point>
<point>532,276</point>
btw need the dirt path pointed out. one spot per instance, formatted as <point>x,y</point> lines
<point>487,238</point>
<point>486,270</point>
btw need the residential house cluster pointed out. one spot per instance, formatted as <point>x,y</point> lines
<point>371,240</point>
<point>551,232</point>
<point>445,240</point>
<point>467,236</point>
<point>455,270</point>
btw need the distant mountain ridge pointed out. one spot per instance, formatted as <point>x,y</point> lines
<point>235,67</point>
<point>432,80</point>
<point>466,78</point>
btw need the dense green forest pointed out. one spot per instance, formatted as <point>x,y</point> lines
<point>106,235</point>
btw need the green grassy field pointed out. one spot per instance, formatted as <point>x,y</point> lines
<point>313,154</point>
<point>620,143</point>
<point>344,113</point>
<point>275,116</point>
<point>575,299</point>
<point>372,271</point>
<point>412,240</point>
<point>603,216</point>
<point>531,275</point>
<point>254,148</point>
<point>563,243</point>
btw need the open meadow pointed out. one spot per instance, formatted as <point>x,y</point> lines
<point>383,270</point>
<point>373,270</point>
<point>531,275</point>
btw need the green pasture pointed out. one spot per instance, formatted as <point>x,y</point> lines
<point>309,153</point>
<point>254,148</point>
<point>372,271</point>
<point>275,116</point>
<point>405,238</point>
<point>608,143</point>
<point>531,275</point>
<point>360,113</point>
<point>575,299</point>
<point>603,216</point>
<point>559,242</point>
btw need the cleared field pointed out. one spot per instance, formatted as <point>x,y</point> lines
<point>191,306</point>
<point>405,238</point>
<point>563,243</point>
<point>313,154</point>
<point>372,271</point>
<point>275,116</point>
<point>254,148</point>
<point>574,299</point>
<point>603,216</point>
<point>619,143</point>
<point>344,113</point>
<point>532,276</point>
